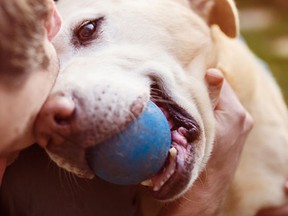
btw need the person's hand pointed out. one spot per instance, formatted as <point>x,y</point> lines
<point>233,124</point>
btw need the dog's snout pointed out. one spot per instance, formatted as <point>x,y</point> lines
<point>55,120</point>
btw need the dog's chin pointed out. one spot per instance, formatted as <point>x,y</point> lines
<point>175,176</point>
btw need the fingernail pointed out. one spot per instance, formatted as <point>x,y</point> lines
<point>214,77</point>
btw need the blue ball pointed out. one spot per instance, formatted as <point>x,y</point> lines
<point>137,153</point>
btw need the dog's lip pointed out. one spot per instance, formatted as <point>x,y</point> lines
<point>180,178</point>
<point>179,168</point>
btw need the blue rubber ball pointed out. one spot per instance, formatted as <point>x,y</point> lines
<point>137,153</point>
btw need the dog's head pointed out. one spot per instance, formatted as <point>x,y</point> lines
<point>116,55</point>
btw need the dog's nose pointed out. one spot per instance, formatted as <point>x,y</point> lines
<point>55,120</point>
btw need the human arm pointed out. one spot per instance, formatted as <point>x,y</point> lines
<point>233,124</point>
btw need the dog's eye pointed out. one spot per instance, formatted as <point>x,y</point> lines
<point>88,31</point>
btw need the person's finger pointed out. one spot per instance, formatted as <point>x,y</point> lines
<point>228,99</point>
<point>229,105</point>
<point>214,79</point>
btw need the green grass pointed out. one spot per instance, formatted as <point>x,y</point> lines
<point>261,43</point>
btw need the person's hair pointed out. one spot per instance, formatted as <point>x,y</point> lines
<point>22,35</point>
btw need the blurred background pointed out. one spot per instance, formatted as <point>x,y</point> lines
<point>264,26</point>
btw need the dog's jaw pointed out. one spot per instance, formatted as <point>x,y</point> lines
<point>174,177</point>
<point>138,55</point>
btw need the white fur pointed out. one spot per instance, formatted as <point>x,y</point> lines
<point>165,39</point>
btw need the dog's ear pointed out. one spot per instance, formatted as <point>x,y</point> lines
<point>218,12</point>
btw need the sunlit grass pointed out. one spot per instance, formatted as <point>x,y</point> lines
<point>262,43</point>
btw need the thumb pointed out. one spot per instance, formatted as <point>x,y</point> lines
<point>214,79</point>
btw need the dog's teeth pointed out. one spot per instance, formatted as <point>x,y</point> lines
<point>156,188</point>
<point>173,152</point>
<point>147,183</point>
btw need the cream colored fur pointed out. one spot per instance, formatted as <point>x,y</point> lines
<point>176,41</point>
<point>263,167</point>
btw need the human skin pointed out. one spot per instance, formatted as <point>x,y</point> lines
<point>21,102</point>
<point>22,96</point>
<point>233,124</point>
<point>17,136</point>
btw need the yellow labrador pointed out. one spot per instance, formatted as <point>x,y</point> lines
<point>118,54</point>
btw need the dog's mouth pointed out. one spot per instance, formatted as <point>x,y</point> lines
<point>175,175</point>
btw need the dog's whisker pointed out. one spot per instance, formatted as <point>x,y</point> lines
<point>69,183</point>
<point>74,178</point>
<point>161,100</point>
<point>74,182</point>
<point>156,90</point>
<point>60,172</point>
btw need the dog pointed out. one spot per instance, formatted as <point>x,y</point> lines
<point>117,55</point>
